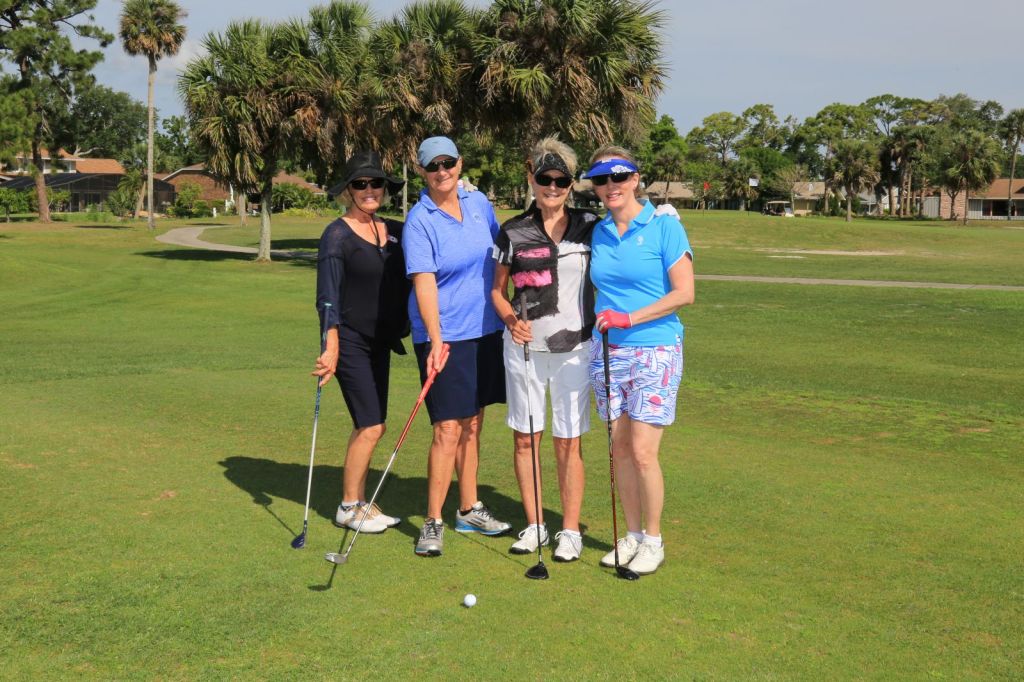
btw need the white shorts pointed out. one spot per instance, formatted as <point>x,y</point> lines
<point>565,375</point>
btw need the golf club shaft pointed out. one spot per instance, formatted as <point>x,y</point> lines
<point>533,443</point>
<point>401,439</point>
<point>300,540</point>
<point>611,460</point>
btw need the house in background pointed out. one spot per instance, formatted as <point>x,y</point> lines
<point>807,196</point>
<point>988,205</point>
<point>679,194</point>
<point>88,189</point>
<point>64,163</point>
<point>213,191</point>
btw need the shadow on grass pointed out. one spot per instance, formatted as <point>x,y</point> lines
<point>196,255</point>
<point>101,226</point>
<point>186,254</point>
<point>266,480</point>
<point>295,244</point>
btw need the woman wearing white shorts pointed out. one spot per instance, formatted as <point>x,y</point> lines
<point>546,253</point>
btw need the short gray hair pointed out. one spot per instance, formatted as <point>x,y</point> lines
<point>552,145</point>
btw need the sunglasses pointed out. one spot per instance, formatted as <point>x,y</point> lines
<point>434,166</point>
<point>600,180</point>
<point>562,182</point>
<point>375,183</point>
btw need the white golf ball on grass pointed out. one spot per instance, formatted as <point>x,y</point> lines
<point>469,601</point>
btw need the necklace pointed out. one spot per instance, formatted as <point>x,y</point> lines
<point>376,235</point>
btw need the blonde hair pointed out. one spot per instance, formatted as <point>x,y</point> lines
<point>612,151</point>
<point>552,145</point>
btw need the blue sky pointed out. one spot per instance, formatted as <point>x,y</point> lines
<point>798,55</point>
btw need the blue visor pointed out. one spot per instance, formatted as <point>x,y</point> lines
<point>611,166</point>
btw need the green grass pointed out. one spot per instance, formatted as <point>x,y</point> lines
<point>845,480</point>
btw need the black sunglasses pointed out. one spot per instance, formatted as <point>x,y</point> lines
<point>447,164</point>
<point>600,180</point>
<point>545,180</point>
<point>375,183</point>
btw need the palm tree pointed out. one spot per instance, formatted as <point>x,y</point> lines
<point>151,28</point>
<point>1013,133</point>
<point>972,164</point>
<point>854,167</point>
<point>418,76</point>
<point>246,107</point>
<point>588,70</point>
<point>327,56</point>
<point>736,175</point>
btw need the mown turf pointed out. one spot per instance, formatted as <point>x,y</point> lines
<point>844,483</point>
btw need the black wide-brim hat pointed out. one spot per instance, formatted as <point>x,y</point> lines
<point>365,164</point>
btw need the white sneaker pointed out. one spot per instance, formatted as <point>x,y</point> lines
<point>647,558</point>
<point>392,521</point>
<point>527,542</point>
<point>628,547</point>
<point>569,546</point>
<point>348,517</point>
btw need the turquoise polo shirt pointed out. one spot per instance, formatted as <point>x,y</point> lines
<point>459,255</point>
<point>631,272</point>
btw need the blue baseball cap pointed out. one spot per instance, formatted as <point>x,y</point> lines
<point>433,147</point>
<point>610,166</point>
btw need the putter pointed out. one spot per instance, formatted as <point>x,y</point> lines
<point>540,571</point>
<point>624,572</point>
<point>300,540</point>
<point>336,558</point>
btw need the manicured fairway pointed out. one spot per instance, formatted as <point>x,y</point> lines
<point>845,480</point>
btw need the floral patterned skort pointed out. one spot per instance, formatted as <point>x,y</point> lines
<point>644,381</point>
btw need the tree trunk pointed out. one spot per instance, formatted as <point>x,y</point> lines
<point>892,200</point>
<point>242,206</point>
<point>849,204</point>
<point>967,203</point>
<point>1009,190</point>
<point>263,254</point>
<point>405,190</point>
<point>40,178</point>
<point>149,146</point>
<point>140,201</point>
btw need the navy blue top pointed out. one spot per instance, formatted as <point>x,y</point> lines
<point>365,285</point>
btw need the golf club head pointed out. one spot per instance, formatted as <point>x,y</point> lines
<point>299,541</point>
<point>538,572</point>
<point>627,574</point>
<point>336,558</point>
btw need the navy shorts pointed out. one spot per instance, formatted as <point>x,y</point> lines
<point>364,367</point>
<point>473,378</point>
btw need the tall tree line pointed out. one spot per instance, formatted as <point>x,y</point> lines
<point>339,79</point>
<point>895,147</point>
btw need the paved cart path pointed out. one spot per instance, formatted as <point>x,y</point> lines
<point>190,236</point>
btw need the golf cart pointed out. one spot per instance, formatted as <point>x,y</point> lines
<point>778,208</point>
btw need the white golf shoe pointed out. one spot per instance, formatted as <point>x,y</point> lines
<point>628,547</point>
<point>527,542</point>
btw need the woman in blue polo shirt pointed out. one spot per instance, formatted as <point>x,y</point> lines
<point>448,238</point>
<point>642,267</point>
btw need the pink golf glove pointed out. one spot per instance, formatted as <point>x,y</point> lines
<point>612,319</point>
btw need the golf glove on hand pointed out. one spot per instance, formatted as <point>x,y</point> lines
<point>612,319</point>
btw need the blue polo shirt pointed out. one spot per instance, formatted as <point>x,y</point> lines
<point>632,271</point>
<point>459,255</point>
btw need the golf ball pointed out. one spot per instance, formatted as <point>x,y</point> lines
<point>469,600</point>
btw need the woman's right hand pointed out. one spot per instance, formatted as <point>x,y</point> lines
<point>326,365</point>
<point>437,358</point>
<point>521,331</point>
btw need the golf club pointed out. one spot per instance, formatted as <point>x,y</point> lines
<point>624,573</point>
<point>540,571</point>
<point>336,558</point>
<point>300,540</point>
